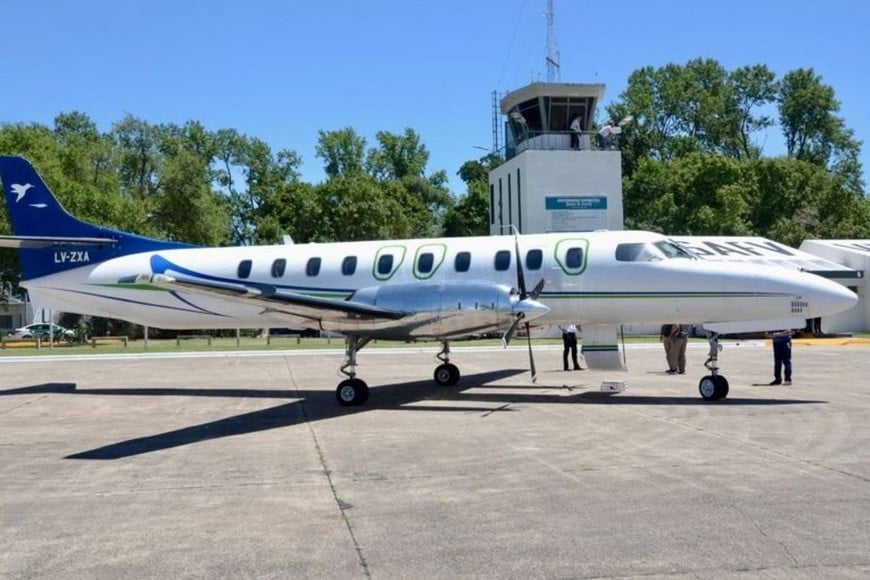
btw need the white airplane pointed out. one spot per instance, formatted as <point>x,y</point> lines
<point>421,289</point>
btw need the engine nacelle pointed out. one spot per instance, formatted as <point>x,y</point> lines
<point>443,309</point>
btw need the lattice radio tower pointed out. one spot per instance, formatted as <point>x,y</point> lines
<point>554,74</point>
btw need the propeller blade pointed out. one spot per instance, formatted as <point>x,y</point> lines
<point>536,291</point>
<point>509,333</point>
<point>521,278</point>
<point>531,356</point>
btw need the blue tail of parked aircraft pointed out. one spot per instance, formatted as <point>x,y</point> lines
<point>49,239</point>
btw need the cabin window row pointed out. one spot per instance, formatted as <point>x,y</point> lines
<point>425,263</point>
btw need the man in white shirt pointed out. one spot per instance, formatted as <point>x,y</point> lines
<point>569,342</point>
<point>576,130</point>
<point>604,136</point>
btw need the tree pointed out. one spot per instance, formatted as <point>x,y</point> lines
<point>812,130</point>
<point>139,156</point>
<point>342,152</point>
<point>470,214</point>
<point>699,107</point>
<point>397,156</point>
<point>752,89</point>
<point>357,207</point>
<point>186,207</point>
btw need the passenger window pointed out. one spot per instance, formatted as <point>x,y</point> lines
<point>312,268</point>
<point>278,267</point>
<point>502,260</point>
<point>462,262</point>
<point>385,264</point>
<point>348,265</point>
<point>425,262</point>
<point>534,259</point>
<point>574,258</point>
<point>244,269</point>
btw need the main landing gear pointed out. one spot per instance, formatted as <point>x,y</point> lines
<point>446,374</point>
<point>353,391</point>
<point>714,386</point>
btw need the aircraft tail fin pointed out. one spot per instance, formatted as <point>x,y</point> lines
<point>49,239</point>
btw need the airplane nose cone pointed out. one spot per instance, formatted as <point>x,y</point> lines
<point>828,297</point>
<point>531,308</point>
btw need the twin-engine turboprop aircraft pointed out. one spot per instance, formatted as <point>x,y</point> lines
<point>423,289</point>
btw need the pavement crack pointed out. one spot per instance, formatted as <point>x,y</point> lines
<point>343,506</point>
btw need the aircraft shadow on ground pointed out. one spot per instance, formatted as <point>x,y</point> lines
<point>319,405</point>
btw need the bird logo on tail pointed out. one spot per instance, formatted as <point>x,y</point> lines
<point>20,190</point>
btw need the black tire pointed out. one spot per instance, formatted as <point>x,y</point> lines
<point>446,374</point>
<point>351,392</point>
<point>723,386</point>
<point>713,387</point>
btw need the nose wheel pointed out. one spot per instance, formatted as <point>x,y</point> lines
<point>714,386</point>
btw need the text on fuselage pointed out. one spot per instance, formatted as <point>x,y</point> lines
<point>74,257</point>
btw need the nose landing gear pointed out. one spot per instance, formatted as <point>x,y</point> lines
<point>714,386</point>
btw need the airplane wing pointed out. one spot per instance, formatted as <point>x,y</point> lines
<point>312,308</point>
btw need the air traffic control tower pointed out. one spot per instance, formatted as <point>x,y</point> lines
<point>549,182</point>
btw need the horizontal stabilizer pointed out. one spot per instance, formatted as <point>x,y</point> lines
<point>39,242</point>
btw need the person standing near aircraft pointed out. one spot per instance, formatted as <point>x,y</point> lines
<point>665,338</point>
<point>679,341</point>
<point>781,357</point>
<point>576,129</point>
<point>569,343</point>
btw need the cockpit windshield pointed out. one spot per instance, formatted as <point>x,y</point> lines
<point>651,251</point>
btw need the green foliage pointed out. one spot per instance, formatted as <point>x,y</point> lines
<point>470,215</point>
<point>692,165</point>
<point>397,168</point>
<point>358,207</point>
<point>342,152</point>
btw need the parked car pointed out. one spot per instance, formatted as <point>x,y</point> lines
<point>42,330</point>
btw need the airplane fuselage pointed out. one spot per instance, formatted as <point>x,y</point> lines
<point>595,277</point>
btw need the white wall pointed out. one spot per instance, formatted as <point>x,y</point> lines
<point>854,254</point>
<point>578,184</point>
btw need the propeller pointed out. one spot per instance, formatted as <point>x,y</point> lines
<point>520,316</point>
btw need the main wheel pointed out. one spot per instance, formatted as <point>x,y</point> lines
<point>713,387</point>
<point>446,374</point>
<point>352,392</point>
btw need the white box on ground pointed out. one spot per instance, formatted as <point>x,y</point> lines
<point>613,386</point>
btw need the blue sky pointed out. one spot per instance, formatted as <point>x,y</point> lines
<point>281,71</point>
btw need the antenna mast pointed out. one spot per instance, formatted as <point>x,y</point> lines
<point>554,74</point>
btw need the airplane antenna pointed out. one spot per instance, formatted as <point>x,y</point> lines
<point>554,74</point>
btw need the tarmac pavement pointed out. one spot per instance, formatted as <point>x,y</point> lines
<point>245,466</point>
